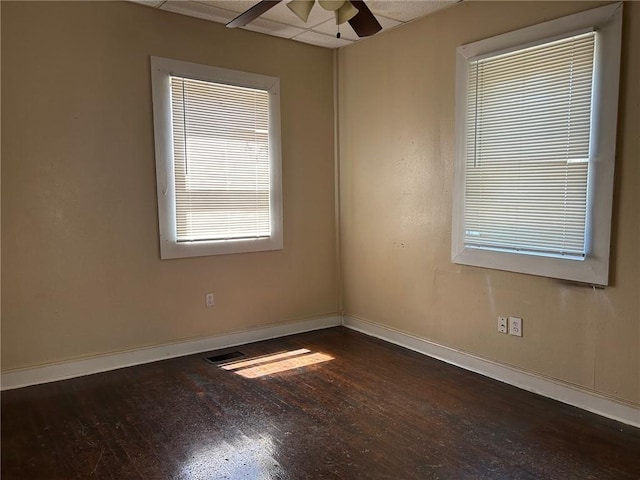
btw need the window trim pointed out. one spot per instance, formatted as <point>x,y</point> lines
<point>594,269</point>
<point>161,70</point>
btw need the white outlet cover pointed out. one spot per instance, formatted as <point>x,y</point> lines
<point>515,326</point>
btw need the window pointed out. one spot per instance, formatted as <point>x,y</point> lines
<point>536,114</point>
<point>218,167</point>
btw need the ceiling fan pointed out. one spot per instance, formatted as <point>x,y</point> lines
<point>355,12</point>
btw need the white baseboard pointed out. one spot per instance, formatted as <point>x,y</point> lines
<point>546,387</point>
<point>568,394</point>
<point>61,371</point>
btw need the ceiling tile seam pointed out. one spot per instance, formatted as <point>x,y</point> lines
<point>391,18</point>
<point>318,33</point>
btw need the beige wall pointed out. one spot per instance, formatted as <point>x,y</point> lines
<point>396,147</point>
<point>80,258</point>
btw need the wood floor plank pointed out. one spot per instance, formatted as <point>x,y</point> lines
<point>374,410</point>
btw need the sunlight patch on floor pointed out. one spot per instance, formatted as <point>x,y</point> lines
<point>276,363</point>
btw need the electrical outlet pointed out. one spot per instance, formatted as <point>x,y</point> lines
<point>502,325</point>
<point>209,300</point>
<point>515,326</point>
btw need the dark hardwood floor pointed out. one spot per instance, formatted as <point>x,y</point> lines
<point>367,409</point>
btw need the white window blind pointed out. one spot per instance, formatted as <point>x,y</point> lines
<point>527,148</point>
<point>221,160</point>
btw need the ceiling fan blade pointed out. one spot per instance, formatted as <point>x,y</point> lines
<point>364,23</point>
<point>254,12</point>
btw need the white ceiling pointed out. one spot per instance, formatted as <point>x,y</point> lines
<point>320,28</point>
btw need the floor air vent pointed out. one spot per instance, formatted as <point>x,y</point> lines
<point>224,357</point>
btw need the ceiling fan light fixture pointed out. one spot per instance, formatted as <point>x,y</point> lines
<point>331,5</point>
<point>301,8</point>
<point>363,23</point>
<point>345,13</point>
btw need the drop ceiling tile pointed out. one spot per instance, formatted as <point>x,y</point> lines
<point>262,25</point>
<point>322,40</point>
<point>330,28</point>
<point>238,6</point>
<point>406,10</point>
<point>199,10</point>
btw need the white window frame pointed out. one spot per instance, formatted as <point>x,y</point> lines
<point>161,71</point>
<point>594,268</point>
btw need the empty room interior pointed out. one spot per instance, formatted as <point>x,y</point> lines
<point>275,252</point>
